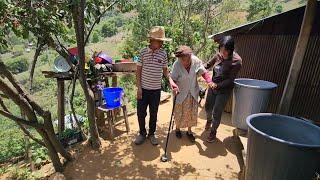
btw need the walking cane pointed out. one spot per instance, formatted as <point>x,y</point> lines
<point>202,94</point>
<point>164,157</point>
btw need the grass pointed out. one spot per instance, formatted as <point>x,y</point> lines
<point>12,142</point>
<point>20,173</point>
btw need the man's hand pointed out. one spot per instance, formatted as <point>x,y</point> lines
<point>212,85</point>
<point>139,93</point>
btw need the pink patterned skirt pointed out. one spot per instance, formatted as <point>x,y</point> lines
<point>186,114</point>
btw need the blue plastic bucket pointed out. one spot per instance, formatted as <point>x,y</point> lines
<point>113,96</point>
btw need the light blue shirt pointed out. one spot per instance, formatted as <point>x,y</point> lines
<point>187,82</point>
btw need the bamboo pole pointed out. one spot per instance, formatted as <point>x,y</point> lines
<point>61,110</point>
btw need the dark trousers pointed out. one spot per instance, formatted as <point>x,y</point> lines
<point>150,98</point>
<point>215,104</point>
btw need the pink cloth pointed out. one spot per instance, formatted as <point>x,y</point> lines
<point>206,77</point>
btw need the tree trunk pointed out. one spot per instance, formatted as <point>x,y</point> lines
<point>74,80</point>
<point>93,130</point>
<point>28,107</point>
<point>78,18</point>
<point>53,139</point>
<point>40,45</point>
<point>51,152</point>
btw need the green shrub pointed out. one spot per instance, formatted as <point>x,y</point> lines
<point>14,40</point>
<point>95,37</point>
<point>128,83</point>
<point>39,154</point>
<point>20,173</point>
<point>41,83</point>
<point>3,49</point>
<point>12,142</point>
<point>17,65</point>
<point>119,21</point>
<point>68,133</point>
<point>279,9</point>
<point>3,170</point>
<point>44,58</point>
<point>109,29</point>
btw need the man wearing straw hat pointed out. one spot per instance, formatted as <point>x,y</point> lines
<point>153,62</point>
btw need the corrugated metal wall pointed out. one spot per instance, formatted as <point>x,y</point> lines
<point>306,98</point>
<point>267,48</point>
<point>269,58</point>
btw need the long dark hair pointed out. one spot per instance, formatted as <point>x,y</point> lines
<point>228,43</point>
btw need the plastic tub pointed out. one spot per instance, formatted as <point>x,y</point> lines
<point>250,96</point>
<point>282,148</point>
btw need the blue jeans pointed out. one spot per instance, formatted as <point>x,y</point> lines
<point>150,98</point>
<point>215,104</point>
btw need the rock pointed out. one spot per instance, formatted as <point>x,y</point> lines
<point>164,96</point>
<point>45,171</point>
<point>57,176</point>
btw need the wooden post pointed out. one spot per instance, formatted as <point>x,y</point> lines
<point>114,81</point>
<point>298,56</point>
<point>106,80</point>
<point>115,84</point>
<point>61,111</point>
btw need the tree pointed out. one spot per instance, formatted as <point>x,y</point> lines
<point>109,29</point>
<point>95,37</point>
<point>48,22</point>
<point>35,116</point>
<point>186,22</point>
<point>18,65</point>
<point>259,9</point>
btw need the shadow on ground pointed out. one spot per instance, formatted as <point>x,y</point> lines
<point>117,160</point>
<point>122,159</point>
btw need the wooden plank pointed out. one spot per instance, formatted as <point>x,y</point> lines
<point>111,74</point>
<point>69,75</point>
<point>60,75</point>
<point>61,110</point>
<point>298,56</point>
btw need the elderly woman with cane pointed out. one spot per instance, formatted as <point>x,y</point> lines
<point>184,73</point>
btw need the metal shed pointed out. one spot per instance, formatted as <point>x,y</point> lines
<point>267,47</point>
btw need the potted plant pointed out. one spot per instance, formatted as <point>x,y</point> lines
<point>69,137</point>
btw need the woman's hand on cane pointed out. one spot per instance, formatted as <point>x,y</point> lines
<point>174,87</point>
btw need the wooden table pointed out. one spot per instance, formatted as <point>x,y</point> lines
<point>61,77</point>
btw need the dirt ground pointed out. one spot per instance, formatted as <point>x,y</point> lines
<point>121,159</point>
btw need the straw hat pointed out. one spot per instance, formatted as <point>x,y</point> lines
<point>158,33</point>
